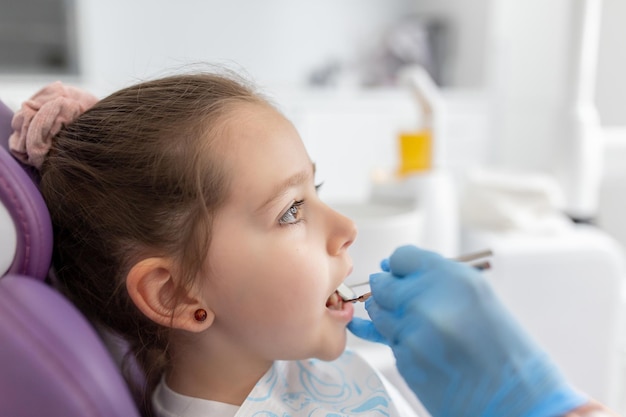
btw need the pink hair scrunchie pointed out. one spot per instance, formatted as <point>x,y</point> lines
<point>42,116</point>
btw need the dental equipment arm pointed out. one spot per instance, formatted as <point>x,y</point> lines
<point>457,347</point>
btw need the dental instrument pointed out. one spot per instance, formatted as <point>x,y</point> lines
<point>348,295</point>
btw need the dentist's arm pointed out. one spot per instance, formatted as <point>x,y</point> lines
<point>456,345</point>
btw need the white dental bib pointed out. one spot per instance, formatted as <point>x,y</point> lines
<point>348,386</point>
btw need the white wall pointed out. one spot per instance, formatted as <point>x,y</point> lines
<point>279,42</point>
<point>282,41</point>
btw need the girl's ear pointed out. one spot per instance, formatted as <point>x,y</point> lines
<point>151,286</point>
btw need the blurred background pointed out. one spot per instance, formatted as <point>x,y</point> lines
<point>450,124</point>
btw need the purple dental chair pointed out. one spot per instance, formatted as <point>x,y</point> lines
<point>52,361</point>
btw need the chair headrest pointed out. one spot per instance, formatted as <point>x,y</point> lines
<point>52,361</point>
<point>30,234</point>
<point>54,364</point>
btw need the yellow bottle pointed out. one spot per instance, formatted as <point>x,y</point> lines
<point>415,150</point>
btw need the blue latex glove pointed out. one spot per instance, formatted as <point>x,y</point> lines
<point>455,344</point>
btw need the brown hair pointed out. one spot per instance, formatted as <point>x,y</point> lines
<point>137,176</point>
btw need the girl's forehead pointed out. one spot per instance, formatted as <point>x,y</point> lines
<point>255,125</point>
<point>259,146</point>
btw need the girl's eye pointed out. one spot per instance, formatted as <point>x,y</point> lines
<point>292,215</point>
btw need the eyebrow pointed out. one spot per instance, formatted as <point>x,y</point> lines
<point>296,179</point>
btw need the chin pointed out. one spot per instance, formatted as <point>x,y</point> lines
<point>333,350</point>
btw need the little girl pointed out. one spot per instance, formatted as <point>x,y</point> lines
<point>187,221</point>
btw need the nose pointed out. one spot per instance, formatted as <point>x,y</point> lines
<point>342,232</point>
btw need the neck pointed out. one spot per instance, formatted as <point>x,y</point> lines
<point>214,372</point>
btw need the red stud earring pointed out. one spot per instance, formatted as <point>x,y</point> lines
<point>200,315</point>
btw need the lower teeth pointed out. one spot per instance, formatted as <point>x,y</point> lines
<point>334,302</point>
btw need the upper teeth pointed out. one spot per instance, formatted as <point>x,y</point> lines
<point>346,292</point>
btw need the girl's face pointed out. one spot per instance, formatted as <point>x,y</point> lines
<point>277,252</point>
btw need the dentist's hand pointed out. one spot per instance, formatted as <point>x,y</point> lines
<point>456,345</point>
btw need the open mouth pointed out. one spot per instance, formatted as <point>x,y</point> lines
<point>334,302</point>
